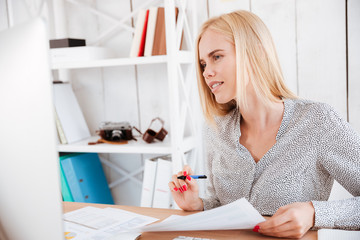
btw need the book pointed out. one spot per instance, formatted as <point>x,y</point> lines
<point>65,190</point>
<point>159,46</point>
<point>60,130</point>
<point>162,194</point>
<point>138,33</point>
<point>143,36</point>
<point>150,31</point>
<point>86,179</point>
<point>147,191</point>
<point>69,113</point>
<point>67,42</point>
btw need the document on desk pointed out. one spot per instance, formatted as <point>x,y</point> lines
<point>335,234</point>
<point>91,223</point>
<point>236,215</point>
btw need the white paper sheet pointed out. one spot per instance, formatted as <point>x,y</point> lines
<point>236,215</point>
<point>90,223</point>
<point>75,231</point>
<point>335,234</point>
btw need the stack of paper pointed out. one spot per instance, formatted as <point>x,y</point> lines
<point>90,223</point>
<point>236,215</point>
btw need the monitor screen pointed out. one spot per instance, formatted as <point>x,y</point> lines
<point>30,198</point>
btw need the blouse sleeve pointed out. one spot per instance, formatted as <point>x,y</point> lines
<point>339,155</point>
<point>210,200</point>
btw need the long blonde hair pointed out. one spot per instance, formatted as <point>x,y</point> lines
<point>256,61</point>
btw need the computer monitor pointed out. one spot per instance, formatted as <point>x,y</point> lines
<point>30,198</point>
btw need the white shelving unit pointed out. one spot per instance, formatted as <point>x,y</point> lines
<point>183,58</point>
<point>138,146</point>
<point>175,144</point>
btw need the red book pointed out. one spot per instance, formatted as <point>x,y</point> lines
<point>143,36</point>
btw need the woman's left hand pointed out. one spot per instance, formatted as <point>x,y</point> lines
<point>291,221</point>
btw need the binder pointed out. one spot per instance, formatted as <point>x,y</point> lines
<point>147,192</point>
<point>162,195</point>
<point>69,112</point>
<point>86,178</point>
<point>65,190</point>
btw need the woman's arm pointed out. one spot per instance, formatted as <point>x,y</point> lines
<point>338,148</point>
<point>339,152</point>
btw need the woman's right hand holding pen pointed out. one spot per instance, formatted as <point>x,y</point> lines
<point>186,192</point>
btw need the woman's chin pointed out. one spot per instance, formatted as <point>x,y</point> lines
<point>221,100</point>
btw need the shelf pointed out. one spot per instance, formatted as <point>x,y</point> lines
<point>183,57</point>
<point>138,146</point>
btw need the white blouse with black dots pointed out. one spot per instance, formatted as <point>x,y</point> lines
<point>314,146</point>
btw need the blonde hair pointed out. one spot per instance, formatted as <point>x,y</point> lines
<point>256,61</point>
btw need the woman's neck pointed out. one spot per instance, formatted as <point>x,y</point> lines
<point>258,116</point>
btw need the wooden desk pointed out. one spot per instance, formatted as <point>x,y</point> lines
<point>164,213</point>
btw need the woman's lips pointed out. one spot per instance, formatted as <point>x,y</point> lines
<point>215,85</point>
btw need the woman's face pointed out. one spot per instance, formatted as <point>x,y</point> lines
<point>218,61</point>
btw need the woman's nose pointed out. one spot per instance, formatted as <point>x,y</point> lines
<point>208,72</point>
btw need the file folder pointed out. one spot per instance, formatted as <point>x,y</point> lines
<point>86,178</point>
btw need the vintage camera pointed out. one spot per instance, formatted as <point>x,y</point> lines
<point>115,131</point>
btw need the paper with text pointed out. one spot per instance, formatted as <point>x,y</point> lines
<point>91,223</point>
<point>236,215</point>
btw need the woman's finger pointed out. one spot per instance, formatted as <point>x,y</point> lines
<point>176,182</point>
<point>172,187</point>
<point>187,170</point>
<point>182,184</point>
<point>274,222</point>
<point>276,229</point>
<point>292,220</point>
<point>293,233</point>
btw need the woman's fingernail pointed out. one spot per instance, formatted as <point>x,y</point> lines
<point>188,177</point>
<point>181,190</point>
<point>175,189</point>
<point>184,187</point>
<point>256,228</point>
<point>185,173</point>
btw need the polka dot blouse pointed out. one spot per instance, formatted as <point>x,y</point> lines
<point>314,146</point>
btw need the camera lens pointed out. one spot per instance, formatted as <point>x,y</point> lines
<point>116,135</point>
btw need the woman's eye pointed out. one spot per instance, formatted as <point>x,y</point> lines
<point>217,57</point>
<point>203,65</point>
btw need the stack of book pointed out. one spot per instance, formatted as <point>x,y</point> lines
<point>83,179</point>
<point>149,38</point>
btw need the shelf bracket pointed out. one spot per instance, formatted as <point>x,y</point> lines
<point>127,175</point>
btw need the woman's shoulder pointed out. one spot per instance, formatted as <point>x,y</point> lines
<point>225,123</point>
<point>312,110</point>
<point>308,105</point>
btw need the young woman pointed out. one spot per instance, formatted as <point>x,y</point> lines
<point>263,143</point>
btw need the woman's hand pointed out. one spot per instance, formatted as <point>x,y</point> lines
<point>290,221</point>
<point>186,192</point>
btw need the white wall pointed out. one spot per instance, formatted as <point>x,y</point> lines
<point>310,37</point>
<point>3,15</point>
